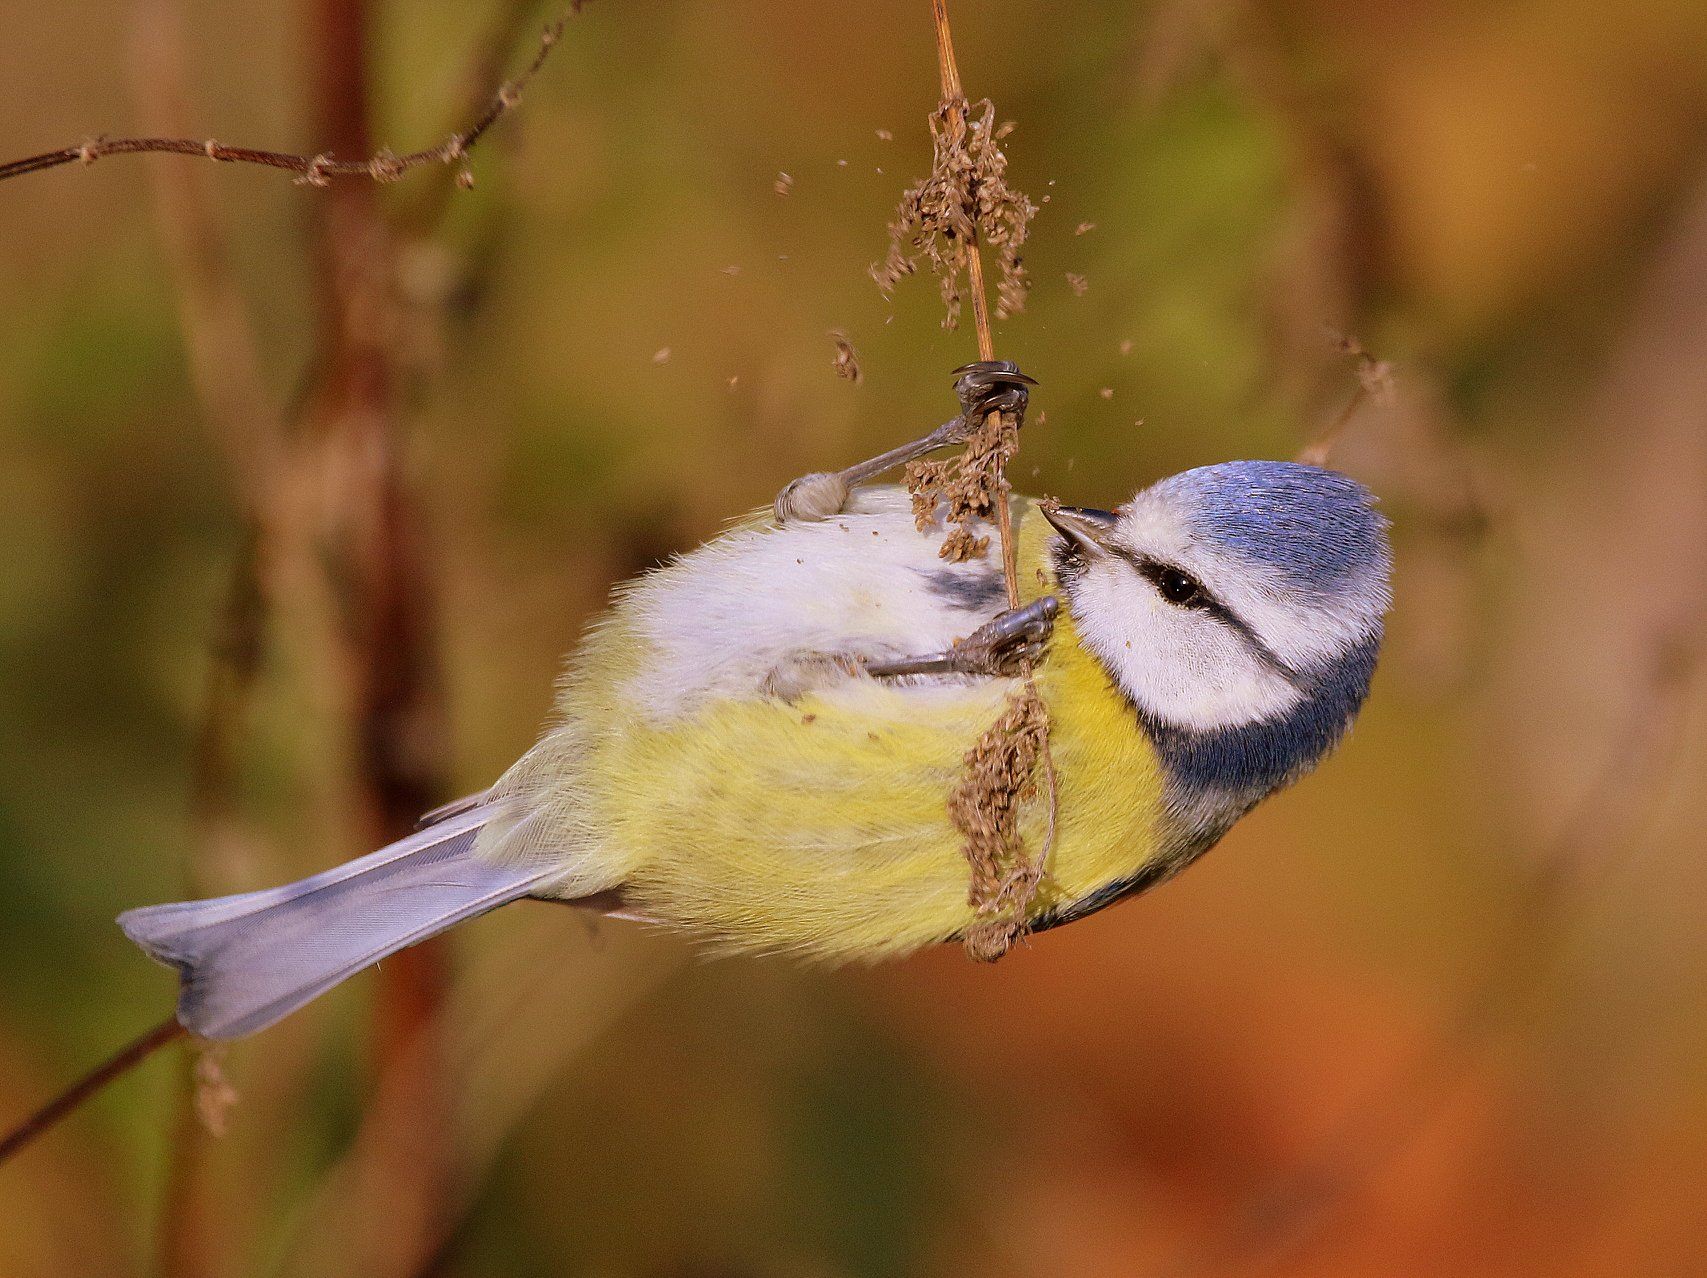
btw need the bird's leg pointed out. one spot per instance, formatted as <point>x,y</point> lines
<point>1000,647</point>
<point>986,387</point>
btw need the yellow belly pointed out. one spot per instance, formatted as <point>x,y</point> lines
<point>822,826</point>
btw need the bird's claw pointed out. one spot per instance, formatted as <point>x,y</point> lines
<point>1009,642</point>
<point>1000,648</point>
<point>990,386</point>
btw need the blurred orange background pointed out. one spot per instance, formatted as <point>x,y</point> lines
<point>616,341</point>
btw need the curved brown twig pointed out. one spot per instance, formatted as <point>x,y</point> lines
<point>312,170</point>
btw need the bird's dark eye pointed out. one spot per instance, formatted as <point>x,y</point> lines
<point>1177,587</point>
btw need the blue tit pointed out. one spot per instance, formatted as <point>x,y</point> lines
<point>756,742</point>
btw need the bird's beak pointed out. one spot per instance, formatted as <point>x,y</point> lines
<point>1089,530</point>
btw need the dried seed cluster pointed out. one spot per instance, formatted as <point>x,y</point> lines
<point>1000,777</point>
<point>966,199</point>
<point>969,486</point>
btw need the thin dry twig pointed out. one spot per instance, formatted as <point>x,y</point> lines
<point>969,488</point>
<point>272,568</point>
<point>118,1064</point>
<point>429,201</point>
<point>382,166</point>
<point>964,201</point>
<point>253,434</point>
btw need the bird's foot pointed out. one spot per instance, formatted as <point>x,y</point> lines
<point>983,388</point>
<point>990,386</point>
<point>1002,647</point>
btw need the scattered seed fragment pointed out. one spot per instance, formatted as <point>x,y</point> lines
<point>1084,228</point>
<point>1078,283</point>
<point>661,355</point>
<point>783,184</point>
<point>846,361</point>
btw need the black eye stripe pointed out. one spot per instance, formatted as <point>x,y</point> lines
<point>1155,570</point>
<point>1170,581</point>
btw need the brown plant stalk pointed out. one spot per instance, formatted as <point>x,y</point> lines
<point>372,539</point>
<point>941,221</point>
<point>1374,383</point>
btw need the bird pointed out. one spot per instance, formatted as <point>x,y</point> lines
<point>755,743</point>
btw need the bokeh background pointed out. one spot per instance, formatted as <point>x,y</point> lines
<point>619,339</point>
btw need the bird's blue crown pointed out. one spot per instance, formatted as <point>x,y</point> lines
<point>1316,526</point>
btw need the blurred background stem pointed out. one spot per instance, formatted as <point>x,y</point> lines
<point>375,551</point>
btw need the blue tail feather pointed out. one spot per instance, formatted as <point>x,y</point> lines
<point>246,961</point>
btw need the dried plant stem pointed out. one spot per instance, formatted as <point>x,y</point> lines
<point>954,98</point>
<point>429,200</point>
<point>121,1062</point>
<point>1002,767</point>
<point>312,170</point>
<point>980,305</point>
<point>947,67</point>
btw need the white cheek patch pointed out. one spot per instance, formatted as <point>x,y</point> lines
<point>1181,665</point>
<point>1302,631</point>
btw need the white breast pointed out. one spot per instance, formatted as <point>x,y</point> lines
<point>718,621</point>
